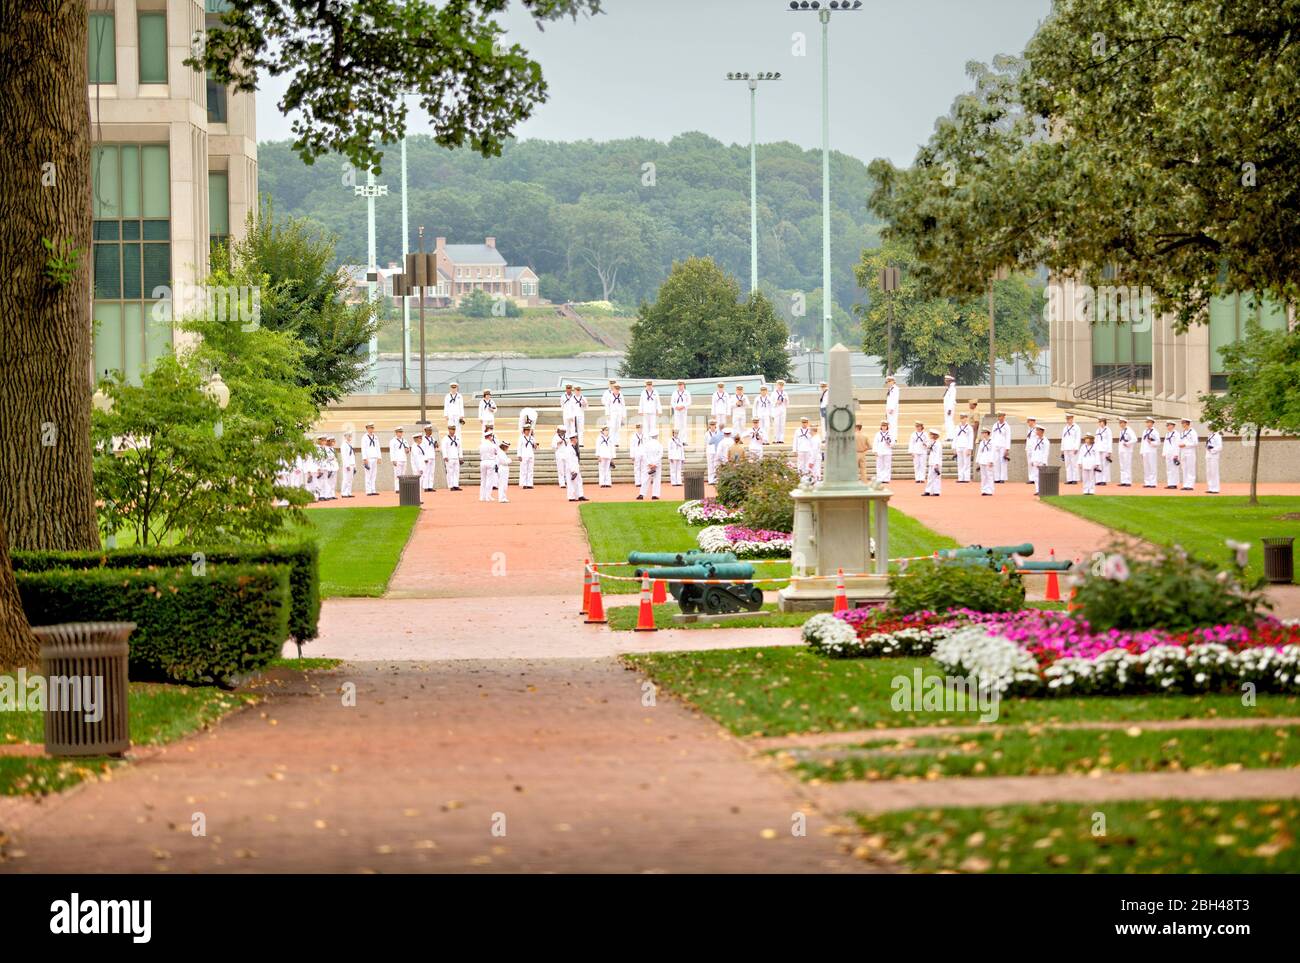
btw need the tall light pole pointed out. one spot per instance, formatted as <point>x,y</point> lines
<point>752,80</point>
<point>406,303</point>
<point>823,11</point>
<point>370,190</point>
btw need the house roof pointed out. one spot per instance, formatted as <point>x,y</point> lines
<point>515,271</point>
<point>473,254</point>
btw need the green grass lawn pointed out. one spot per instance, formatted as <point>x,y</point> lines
<point>1150,836</point>
<point>1038,752</point>
<point>776,690</point>
<point>359,547</point>
<point>159,714</point>
<point>1199,524</point>
<point>535,334</point>
<point>616,528</point>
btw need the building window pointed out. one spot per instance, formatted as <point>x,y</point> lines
<point>216,101</point>
<point>131,262</point>
<point>218,207</point>
<point>1229,317</point>
<point>102,49</point>
<point>153,48</point>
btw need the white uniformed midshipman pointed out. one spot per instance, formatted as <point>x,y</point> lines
<point>487,467</point>
<point>527,456</point>
<point>681,405</point>
<point>605,451</point>
<point>780,408</point>
<point>615,406</point>
<point>805,450</point>
<point>453,405</point>
<point>1188,442</point>
<point>1037,453</point>
<point>1105,450</point>
<point>963,446</point>
<point>398,449</point>
<point>650,406</point>
<point>1149,443</point>
<point>676,457</point>
<point>1000,432</point>
<point>372,453</point>
<point>1071,439</point>
<point>652,456</point>
<point>1125,441</point>
<point>1170,451</point>
<point>950,407</point>
<point>884,446</point>
<point>451,457</point>
<point>1213,449</point>
<point>348,457</point>
<point>918,446</point>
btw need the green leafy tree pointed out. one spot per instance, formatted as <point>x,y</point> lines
<point>292,265</point>
<point>170,464</point>
<point>698,327</point>
<point>1263,391</point>
<point>1155,135</point>
<point>935,335</point>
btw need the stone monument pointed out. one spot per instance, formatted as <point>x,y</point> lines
<point>834,521</point>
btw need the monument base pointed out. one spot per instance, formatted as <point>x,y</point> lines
<point>819,595</point>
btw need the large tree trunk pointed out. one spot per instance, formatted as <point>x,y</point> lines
<point>46,498</point>
<point>1254,471</point>
<point>17,644</point>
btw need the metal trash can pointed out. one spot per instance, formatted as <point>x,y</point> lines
<point>693,485</point>
<point>1279,560</point>
<point>86,692</point>
<point>408,489</point>
<point>1049,480</point>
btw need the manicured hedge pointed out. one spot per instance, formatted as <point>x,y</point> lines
<point>302,559</point>
<point>232,620</point>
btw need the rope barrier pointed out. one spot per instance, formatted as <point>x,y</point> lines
<point>757,581</point>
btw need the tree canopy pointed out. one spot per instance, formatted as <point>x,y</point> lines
<point>1155,135</point>
<point>936,335</point>
<point>698,327</point>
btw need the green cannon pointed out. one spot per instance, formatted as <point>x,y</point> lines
<point>710,599</point>
<point>993,551</point>
<point>1056,566</point>
<point>691,557</point>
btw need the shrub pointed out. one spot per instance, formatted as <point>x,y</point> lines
<point>1134,587</point>
<point>232,620</point>
<point>934,586</point>
<point>303,561</point>
<point>769,505</point>
<point>737,478</point>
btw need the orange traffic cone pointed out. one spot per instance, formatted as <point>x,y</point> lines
<point>595,607</point>
<point>1053,583</point>
<point>660,592</point>
<point>841,598</point>
<point>586,586</point>
<point>645,618</point>
<point>1072,605</point>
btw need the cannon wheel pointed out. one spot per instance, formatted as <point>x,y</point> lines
<point>713,601</point>
<point>756,597</point>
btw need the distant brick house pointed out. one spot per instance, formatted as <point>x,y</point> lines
<point>462,269</point>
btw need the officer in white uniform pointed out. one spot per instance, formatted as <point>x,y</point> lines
<point>754,440</point>
<point>1071,439</point>
<point>487,466</point>
<point>676,457</point>
<point>418,456</point>
<point>1000,431</point>
<point>1150,444</point>
<point>987,459</point>
<point>1124,442</point>
<point>430,455</point>
<point>580,406</point>
<point>884,448</point>
<point>805,450</point>
<point>1031,425</point>
<point>1213,449</point>
<point>348,458</point>
<point>398,450</point>
<point>615,406</point>
<point>763,412</point>
<point>780,409</point>
<point>451,457</point>
<point>1105,444</point>
<point>822,401</point>
<point>634,446</point>
<point>527,456</point>
<point>453,405</point>
<point>1169,449</point>
<point>571,467</point>
<point>1089,464</point>
<point>950,408</point>
<point>487,411</point>
<point>681,407</point>
<point>739,410</point>
<point>1188,443</point>
<point>891,405</point>
<point>720,406</point>
<point>934,466</point>
<point>1037,454</point>
<point>649,407</point>
<point>652,455</point>
<point>963,446</point>
<point>605,451</point>
<point>918,446</point>
<point>503,472</point>
<point>372,453</point>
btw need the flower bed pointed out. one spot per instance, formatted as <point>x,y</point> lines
<point>1050,653</point>
<point>745,542</point>
<point>707,511</point>
<point>879,634</point>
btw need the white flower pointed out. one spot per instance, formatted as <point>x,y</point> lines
<point>1116,568</point>
<point>1242,549</point>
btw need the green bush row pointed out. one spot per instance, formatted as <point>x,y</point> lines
<point>935,586</point>
<point>303,561</point>
<point>232,620</point>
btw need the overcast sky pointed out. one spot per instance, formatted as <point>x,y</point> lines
<point>654,68</point>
